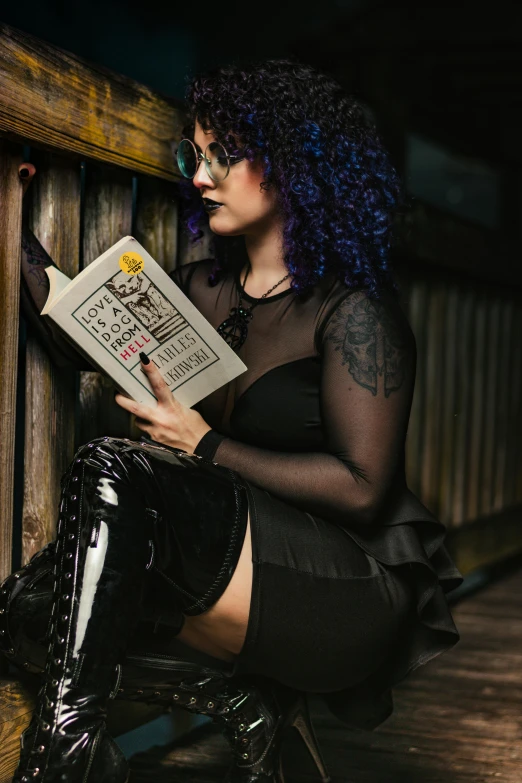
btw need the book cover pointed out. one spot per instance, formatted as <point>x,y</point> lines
<point>124,303</point>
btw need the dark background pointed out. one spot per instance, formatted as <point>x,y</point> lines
<point>444,84</point>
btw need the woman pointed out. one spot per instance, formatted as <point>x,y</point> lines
<point>271,526</point>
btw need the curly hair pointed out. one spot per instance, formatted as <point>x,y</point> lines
<point>336,187</point>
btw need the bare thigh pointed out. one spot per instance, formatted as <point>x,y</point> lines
<point>221,630</point>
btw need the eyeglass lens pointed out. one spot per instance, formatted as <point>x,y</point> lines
<point>216,161</point>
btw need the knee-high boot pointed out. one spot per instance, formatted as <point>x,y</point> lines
<point>111,508</point>
<point>158,669</point>
<point>254,716</point>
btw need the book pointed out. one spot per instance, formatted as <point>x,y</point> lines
<point>124,303</point>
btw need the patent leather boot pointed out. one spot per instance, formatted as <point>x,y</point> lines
<point>254,717</point>
<point>108,538</point>
<point>99,571</point>
<point>254,714</point>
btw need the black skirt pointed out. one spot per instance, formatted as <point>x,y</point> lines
<point>342,612</point>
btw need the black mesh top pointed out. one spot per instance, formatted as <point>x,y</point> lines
<point>320,416</point>
<point>319,419</point>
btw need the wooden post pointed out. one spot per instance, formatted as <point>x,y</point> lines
<point>10,242</point>
<point>157,220</point>
<point>107,218</point>
<point>50,391</point>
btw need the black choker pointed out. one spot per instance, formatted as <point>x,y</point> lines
<point>234,329</point>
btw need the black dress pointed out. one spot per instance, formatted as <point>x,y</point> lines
<point>350,568</point>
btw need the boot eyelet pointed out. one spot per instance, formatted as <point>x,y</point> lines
<point>64,617</point>
<point>245,755</point>
<point>36,772</point>
<point>192,700</point>
<point>2,633</point>
<point>245,740</point>
<point>46,726</point>
<point>2,611</point>
<point>241,726</point>
<point>68,555</point>
<point>68,575</point>
<point>74,497</point>
<point>57,661</point>
<point>75,478</point>
<point>139,692</point>
<point>210,705</point>
<point>226,709</point>
<point>71,536</point>
<point>54,683</point>
<point>40,749</point>
<point>175,696</point>
<point>73,517</point>
<point>60,639</point>
<point>157,693</point>
<point>65,597</point>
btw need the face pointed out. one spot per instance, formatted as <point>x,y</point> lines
<point>246,209</point>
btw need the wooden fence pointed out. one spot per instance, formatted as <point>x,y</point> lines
<point>102,145</point>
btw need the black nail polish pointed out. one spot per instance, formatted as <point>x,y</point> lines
<point>24,173</point>
<point>144,358</point>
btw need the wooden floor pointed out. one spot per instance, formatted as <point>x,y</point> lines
<point>457,720</point>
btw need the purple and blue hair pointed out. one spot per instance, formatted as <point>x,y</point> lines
<point>336,186</point>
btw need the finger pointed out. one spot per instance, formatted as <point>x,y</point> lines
<point>136,408</point>
<point>26,172</point>
<point>156,380</point>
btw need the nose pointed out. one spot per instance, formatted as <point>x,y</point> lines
<point>201,178</point>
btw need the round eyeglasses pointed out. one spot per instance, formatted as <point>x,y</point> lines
<point>216,158</point>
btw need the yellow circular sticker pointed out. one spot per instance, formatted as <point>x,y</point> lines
<point>131,263</point>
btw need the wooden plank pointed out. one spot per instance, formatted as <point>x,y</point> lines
<point>489,424</point>
<point>157,220</point>
<point>463,341</point>
<point>513,472</point>
<point>10,243</point>
<point>194,251</point>
<point>107,218</point>
<point>50,391</point>
<point>479,371</point>
<point>448,370</point>
<point>59,101</point>
<point>503,423</point>
<point>430,479</point>
<point>414,444</point>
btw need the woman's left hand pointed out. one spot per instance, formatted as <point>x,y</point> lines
<point>171,422</point>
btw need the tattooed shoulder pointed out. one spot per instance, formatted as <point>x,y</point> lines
<point>371,343</point>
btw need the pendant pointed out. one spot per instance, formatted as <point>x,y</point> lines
<point>234,329</point>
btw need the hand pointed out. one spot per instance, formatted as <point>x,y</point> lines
<point>171,422</point>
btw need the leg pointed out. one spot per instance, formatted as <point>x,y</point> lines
<point>102,552</point>
<point>221,630</point>
<point>120,502</point>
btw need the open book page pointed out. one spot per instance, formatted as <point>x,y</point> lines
<point>124,303</point>
<point>58,282</point>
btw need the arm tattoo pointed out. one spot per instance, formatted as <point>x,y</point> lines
<point>371,344</point>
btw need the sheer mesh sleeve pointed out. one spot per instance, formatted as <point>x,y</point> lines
<point>367,378</point>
